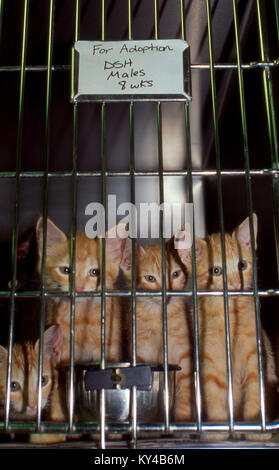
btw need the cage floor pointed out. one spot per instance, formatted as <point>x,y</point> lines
<point>151,444</point>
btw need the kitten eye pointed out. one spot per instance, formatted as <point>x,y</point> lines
<point>94,272</point>
<point>45,380</point>
<point>176,274</point>
<point>242,265</point>
<point>10,284</point>
<point>216,271</point>
<point>150,278</point>
<point>65,269</point>
<point>15,386</point>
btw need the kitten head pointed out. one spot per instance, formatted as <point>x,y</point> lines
<point>209,259</point>
<point>149,270</point>
<point>88,261</point>
<point>24,374</point>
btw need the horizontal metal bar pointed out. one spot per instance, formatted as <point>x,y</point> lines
<point>88,427</point>
<point>35,68</point>
<point>30,294</point>
<point>88,174</point>
<point>61,68</point>
<point>249,66</point>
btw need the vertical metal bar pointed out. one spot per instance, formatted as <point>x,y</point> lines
<point>16,208</point>
<point>190,199</point>
<point>250,211</point>
<point>71,396</point>
<point>271,118</point>
<point>130,20</point>
<point>276,8</point>
<point>103,250</point>
<point>45,204</point>
<point>161,190</point>
<point>133,261</point>
<point>268,91</point>
<point>156,19</point>
<point>221,214</point>
<point>103,33</point>
<point>1,17</point>
<point>103,281</point>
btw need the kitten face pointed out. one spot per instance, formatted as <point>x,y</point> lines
<point>238,264</point>
<point>209,259</point>
<point>24,380</point>
<point>24,374</point>
<point>149,271</point>
<point>87,263</point>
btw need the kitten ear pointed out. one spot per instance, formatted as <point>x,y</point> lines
<point>182,239</point>
<point>25,243</point>
<point>126,262</point>
<point>54,235</point>
<point>126,255</point>
<point>115,241</point>
<point>242,233</point>
<point>183,245</point>
<point>53,341</point>
<point>3,355</point>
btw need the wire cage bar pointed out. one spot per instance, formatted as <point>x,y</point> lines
<point>266,66</point>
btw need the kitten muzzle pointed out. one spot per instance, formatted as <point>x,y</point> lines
<point>31,410</point>
<point>79,289</point>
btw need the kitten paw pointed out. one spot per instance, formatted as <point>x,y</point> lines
<point>109,437</point>
<point>214,436</point>
<point>260,436</point>
<point>47,438</point>
<point>74,437</point>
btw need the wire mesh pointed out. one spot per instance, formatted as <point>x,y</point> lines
<point>266,66</point>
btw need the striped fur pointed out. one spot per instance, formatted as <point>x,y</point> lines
<point>88,311</point>
<point>149,319</point>
<point>87,346</point>
<point>242,325</point>
<point>24,374</point>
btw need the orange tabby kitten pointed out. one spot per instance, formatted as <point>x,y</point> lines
<point>149,319</point>
<point>24,374</point>
<point>87,327</point>
<point>87,347</point>
<point>243,339</point>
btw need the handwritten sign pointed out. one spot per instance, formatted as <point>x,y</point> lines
<point>131,71</point>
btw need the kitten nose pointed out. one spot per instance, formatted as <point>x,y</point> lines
<point>31,410</point>
<point>79,289</point>
<point>236,285</point>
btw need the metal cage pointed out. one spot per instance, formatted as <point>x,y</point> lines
<point>219,152</point>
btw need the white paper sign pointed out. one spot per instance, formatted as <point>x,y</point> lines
<point>131,70</point>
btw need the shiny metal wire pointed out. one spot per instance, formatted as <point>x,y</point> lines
<point>163,252</point>
<point>45,204</point>
<point>133,245</point>
<point>16,208</point>
<point>221,215</point>
<point>190,198</point>
<point>266,65</point>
